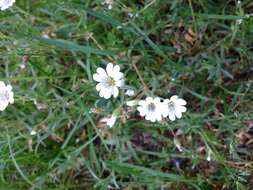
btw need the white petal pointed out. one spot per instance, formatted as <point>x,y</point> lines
<point>166,101</point>
<point>116,69</point>
<point>102,93</point>
<point>118,75</point>
<point>142,103</point>
<point>149,99</point>
<point>99,86</point>
<point>3,105</point>
<point>158,116</point>
<point>130,92</point>
<point>109,69</point>
<point>5,4</point>
<point>115,92</point>
<point>11,97</point>
<point>157,100</point>
<point>148,117</point>
<point>2,85</point>
<point>132,103</point>
<point>178,114</point>
<point>164,110</point>
<point>107,94</point>
<point>99,78</point>
<point>172,116</point>
<point>165,114</point>
<point>181,108</point>
<point>101,72</point>
<point>181,102</point>
<point>142,113</point>
<point>111,121</point>
<point>11,100</point>
<point>141,110</point>
<point>152,118</point>
<point>33,132</point>
<point>9,87</point>
<point>120,82</point>
<point>173,98</point>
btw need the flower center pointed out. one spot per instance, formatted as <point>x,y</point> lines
<point>151,107</point>
<point>171,105</point>
<point>111,82</point>
<point>4,96</point>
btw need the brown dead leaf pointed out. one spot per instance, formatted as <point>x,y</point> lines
<point>189,38</point>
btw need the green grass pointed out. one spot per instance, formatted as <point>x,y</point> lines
<point>193,48</point>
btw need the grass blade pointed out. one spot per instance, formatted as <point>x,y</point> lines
<point>64,44</point>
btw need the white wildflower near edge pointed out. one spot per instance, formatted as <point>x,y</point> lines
<point>33,132</point>
<point>151,109</point>
<point>110,121</point>
<point>5,4</point>
<point>6,96</point>
<point>130,92</point>
<point>109,3</point>
<point>109,81</point>
<point>174,107</point>
<point>132,103</point>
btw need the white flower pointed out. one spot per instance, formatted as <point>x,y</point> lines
<point>151,108</point>
<point>132,103</point>
<point>110,121</point>
<point>5,4</point>
<point>130,15</point>
<point>109,81</point>
<point>239,21</point>
<point>33,132</point>
<point>45,35</point>
<point>22,66</point>
<point>6,96</point>
<point>209,155</point>
<point>109,3</point>
<point>130,92</point>
<point>175,107</point>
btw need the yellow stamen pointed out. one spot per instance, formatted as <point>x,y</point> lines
<point>111,82</point>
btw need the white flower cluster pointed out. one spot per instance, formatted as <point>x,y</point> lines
<point>6,96</point>
<point>153,109</point>
<point>5,4</point>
